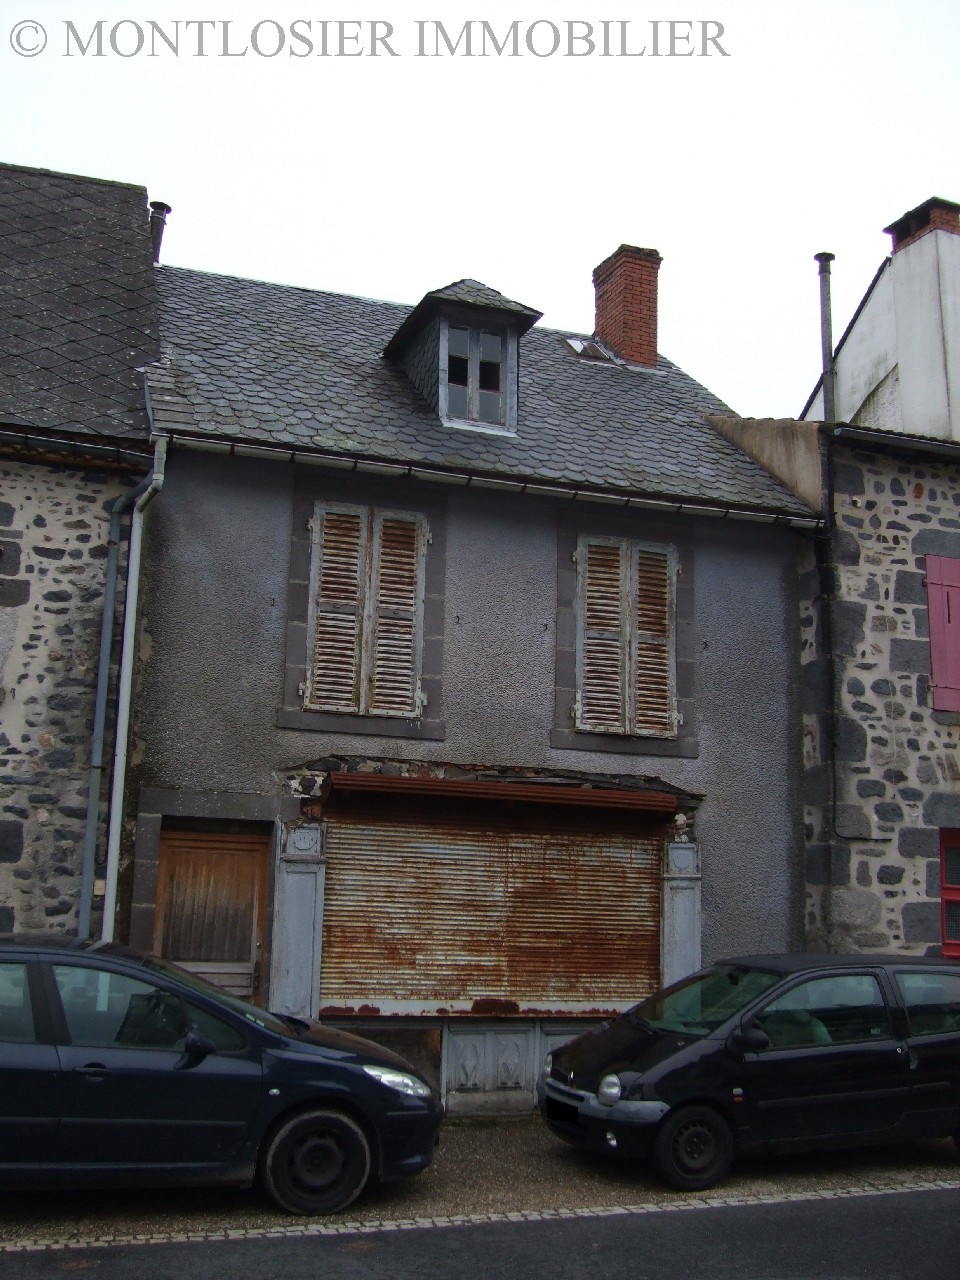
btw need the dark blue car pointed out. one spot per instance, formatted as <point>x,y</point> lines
<point>118,1068</point>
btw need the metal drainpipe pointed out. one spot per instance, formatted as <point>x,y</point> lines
<point>826,339</point>
<point>95,775</point>
<point>125,687</point>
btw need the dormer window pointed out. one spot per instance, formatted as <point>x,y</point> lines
<point>459,348</point>
<point>475,375</point>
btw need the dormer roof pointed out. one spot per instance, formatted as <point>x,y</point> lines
<point>471,294</point>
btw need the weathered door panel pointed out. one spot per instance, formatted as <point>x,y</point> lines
<point>211,899</point>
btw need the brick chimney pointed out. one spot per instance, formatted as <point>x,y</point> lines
<point>933,215</point>
<point>625,286</point>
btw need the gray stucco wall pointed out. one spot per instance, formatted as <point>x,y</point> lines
<point>214,638</point>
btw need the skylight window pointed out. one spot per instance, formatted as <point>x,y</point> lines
<point>587,349</point>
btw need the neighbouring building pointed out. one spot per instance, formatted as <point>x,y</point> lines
<point>881,605</point>
<point>468,701</point>
<point>78,320</point>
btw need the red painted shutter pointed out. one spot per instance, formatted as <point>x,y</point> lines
<point>943,601</point>
<point>603,625</point>
<point>340,542</point>
<point>396,593</point>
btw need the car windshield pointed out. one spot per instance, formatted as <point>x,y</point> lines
<point>700,1004</point>
<point>260,1017</point>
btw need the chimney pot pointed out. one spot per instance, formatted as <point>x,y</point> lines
<point>625,286</point>
<point>934,214</point>
<point>158,218</point>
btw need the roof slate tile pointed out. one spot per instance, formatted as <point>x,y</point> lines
<point>78,304</point>
<point>300,368</point>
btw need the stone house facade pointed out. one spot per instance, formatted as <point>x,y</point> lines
<point>468,701</point>
<point>880,620</point>
<point>77,318</point>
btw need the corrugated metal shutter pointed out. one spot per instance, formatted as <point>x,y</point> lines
<point>626,638</point>
<point>210,905</point>
<point>516,913</point>
<point>943,602</point>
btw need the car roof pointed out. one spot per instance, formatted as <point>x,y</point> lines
<point>58,944</point>
<point>804,961</point>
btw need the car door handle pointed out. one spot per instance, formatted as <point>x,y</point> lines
<point>93,1070</point>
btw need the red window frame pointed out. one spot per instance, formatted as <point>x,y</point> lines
<point>950,892</point>
<point>943,607</point>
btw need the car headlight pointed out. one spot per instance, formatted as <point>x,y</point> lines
<point>402,1081</point>
<point>548,1064</point>
<point>609,1091</point>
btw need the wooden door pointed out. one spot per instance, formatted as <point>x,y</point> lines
<point>211,902</point>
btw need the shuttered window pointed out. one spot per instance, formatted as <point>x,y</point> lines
<point>943,602</point>
<point>626,638</point>
<point>366,611</point>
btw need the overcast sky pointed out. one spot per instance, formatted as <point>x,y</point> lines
<point>388,175</point>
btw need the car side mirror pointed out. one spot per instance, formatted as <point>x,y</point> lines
<point>750,1040</point>
<point>198,1046</point>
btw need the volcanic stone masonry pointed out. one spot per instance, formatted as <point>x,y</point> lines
<point>54,528</point>
<point>873,871</point>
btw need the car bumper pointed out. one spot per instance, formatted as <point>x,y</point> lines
<point>408,1141</point>
<point>623,1128</point>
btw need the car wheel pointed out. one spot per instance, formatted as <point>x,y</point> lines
<point>693,1148</point>
<point>317,1162</point>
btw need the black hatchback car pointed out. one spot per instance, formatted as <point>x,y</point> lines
<point>765,1052</point>
<point>118,1068</point>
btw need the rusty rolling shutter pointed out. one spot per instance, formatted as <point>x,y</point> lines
<point>395,616</point>
<point>520,914</point>
<point>336,612</point>
<point>211,891</point>
<point>603,621</point>
<point>654,680</point>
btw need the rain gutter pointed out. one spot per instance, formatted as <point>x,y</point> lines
<point>95,774</point>
<point>534,488</point>
<point>125,686</point>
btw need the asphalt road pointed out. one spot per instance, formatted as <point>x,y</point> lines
<point>883,1236</point>
<point>485,1174</point>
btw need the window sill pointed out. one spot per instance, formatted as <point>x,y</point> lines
<point>485,428</point>
<point>621,744</point>
<point>370,726</point>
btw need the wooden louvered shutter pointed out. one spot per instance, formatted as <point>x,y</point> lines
<point>338,579</point>
<point>394,645</point>
<point>603,626</point>
<point>626,639</point>
<point>654,695</point>
<point>943,603</point>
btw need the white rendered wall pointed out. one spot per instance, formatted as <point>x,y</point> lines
<point>899,366</point>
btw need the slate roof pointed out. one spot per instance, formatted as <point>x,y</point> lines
<point>78,310</point>
<point>284,366</point>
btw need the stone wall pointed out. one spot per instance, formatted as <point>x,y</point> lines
<point>873,830</point>
<point>54,528</point>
